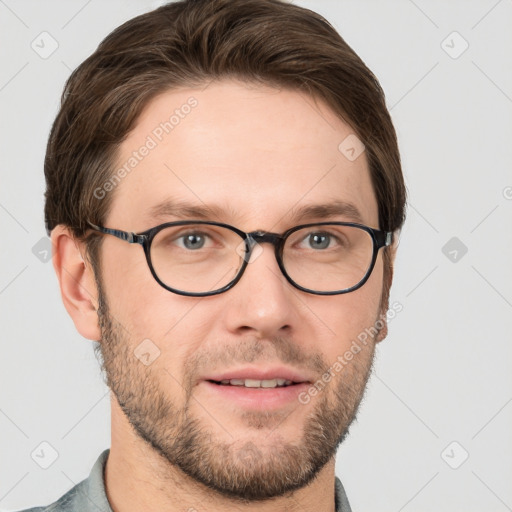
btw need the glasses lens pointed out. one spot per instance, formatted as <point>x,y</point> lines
<point>328,258</point>
<point>196,258</point>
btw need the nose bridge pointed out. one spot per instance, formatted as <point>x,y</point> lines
<point>266,306</point>
<point>263,237</point>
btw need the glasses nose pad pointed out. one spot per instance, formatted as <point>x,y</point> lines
<point>249,250</point>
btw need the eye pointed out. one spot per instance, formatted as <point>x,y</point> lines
<point>192,241</point>
<point>204,240</point>
<point>319,240</point>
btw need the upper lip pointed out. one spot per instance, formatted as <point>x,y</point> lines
<point>267,373</point>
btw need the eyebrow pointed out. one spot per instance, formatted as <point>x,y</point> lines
<point>183,209</point>
<point>186,210</point>
<point>328,210</point>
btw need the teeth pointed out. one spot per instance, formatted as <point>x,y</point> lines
<point>253,383</point>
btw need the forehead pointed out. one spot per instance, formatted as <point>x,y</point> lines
<point>256,155</point>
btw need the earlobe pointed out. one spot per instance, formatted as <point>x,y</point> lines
<point>383,331</point>
<point>76,280</point>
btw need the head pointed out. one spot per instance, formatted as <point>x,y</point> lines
<point>238,111</point>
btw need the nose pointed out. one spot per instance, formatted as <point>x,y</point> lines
<point>262,302</point>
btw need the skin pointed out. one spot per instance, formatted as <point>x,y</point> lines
<point>256,153</point>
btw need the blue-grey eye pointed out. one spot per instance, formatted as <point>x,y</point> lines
<point>193,241</point>
<point>319,240</point>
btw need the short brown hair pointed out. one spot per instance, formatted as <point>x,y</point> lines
<point>189,43</point>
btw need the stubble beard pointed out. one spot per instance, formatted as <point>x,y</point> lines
<point>240,469</point>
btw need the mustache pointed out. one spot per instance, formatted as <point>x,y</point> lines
<point>278,349</point>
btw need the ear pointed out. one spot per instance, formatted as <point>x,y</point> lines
<point>76,280</point>
<point>389,262</point>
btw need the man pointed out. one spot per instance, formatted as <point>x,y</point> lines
<point>249,151</point>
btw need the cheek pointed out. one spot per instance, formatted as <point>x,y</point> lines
<point>349,315</point>
<point>176,326</point>
<point>374,284</point>
<point>135,299</point>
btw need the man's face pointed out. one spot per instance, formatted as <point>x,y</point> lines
<point>257,155</point>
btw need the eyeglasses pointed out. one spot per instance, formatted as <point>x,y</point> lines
<point>202,258</point>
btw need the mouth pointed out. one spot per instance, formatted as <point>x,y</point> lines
<point>255,383</point>
<point>251,388</point>
<point>251,394</point>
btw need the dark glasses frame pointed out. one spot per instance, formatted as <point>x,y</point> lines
<point>145,238</point>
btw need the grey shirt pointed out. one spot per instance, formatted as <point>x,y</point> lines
<point>89,495</point>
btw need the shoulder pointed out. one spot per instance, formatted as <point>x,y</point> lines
<point>66,503</point>
<point>35,509</point>
<point>80,497</point>
<point>341,500</point>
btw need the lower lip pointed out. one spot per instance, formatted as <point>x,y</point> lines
<point>258,398</point>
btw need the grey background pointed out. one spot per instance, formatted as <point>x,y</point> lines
<point>443,374</point>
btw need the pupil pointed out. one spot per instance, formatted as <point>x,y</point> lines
<point>193,242</point>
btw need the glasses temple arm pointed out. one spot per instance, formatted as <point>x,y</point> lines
<point>131,238</point>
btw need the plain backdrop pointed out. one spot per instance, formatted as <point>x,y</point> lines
<point>434,431</point>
